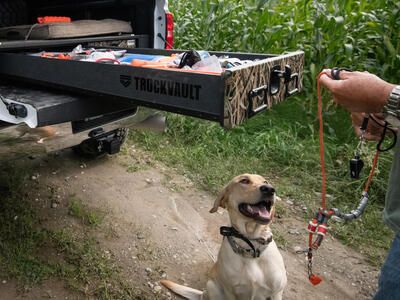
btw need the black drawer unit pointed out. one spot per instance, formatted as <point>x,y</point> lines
<point>229,98</point>
<point>24,103</point>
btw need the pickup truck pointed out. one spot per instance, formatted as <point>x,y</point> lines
<point>91,125</point>
<point>49,101</point>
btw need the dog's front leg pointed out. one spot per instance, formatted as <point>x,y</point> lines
<point>277,296</point>
<point>214,291</point>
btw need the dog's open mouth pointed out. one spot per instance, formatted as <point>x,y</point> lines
<point>260,212</point>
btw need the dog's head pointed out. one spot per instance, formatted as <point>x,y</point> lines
<point>249,197</point>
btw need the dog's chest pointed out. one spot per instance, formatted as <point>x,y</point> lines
<point>253,278</point>
<point>249,281</point>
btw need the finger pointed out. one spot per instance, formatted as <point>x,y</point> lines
<point>328,72</point>
<point>379,116</point>
<point>357,118</point>
<point>328,82</point>
<point>357,130</point>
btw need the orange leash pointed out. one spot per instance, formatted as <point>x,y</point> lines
<point>321,142</point>
<point>322,148</point>
<point>318,225</point>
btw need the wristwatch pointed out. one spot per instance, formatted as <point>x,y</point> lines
<point>392,108</point>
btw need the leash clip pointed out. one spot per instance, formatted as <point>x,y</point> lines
<point>319,225</point>
<point>309,264</point>
<point>314,279</point>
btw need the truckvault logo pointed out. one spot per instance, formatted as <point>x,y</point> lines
<point>125,80</point>
<point>167,88</point>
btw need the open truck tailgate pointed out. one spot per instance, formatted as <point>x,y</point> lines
<point>229,98</point>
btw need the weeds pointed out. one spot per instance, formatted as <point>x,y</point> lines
<point>87,216</point>
<point>19,235</point>
<point>88,269</point>
<point>32,253</point>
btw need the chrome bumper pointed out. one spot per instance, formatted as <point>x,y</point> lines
<point>20,140</point>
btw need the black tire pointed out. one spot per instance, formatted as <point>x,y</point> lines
<point>13,12</point>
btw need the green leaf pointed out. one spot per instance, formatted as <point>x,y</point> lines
<point>389,45</point>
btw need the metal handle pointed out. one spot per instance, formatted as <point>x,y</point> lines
<point>293,77</point>
<point>254,93</point>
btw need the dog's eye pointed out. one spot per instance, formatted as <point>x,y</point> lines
<point>245,181</point>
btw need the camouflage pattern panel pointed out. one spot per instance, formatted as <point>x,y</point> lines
<point>252,89</point>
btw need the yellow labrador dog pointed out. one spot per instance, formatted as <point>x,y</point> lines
<point>249,264</point>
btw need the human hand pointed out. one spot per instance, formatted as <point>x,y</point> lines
<point>358,91</point>
<point>373,131</point>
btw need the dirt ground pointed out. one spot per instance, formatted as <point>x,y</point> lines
<point>162,229</point>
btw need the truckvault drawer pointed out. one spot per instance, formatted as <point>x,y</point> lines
<point>229,98</point>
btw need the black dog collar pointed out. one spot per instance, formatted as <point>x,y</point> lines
<point>231,233</point>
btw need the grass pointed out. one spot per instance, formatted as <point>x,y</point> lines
<point>133,160</point>
<point>89,270</point>
<point>18,251</point>
<point>78,210</point>
<point>282,144</point>
<point>280,240</point>
<point>30,253</point>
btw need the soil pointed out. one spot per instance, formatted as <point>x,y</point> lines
<point>161,228</point>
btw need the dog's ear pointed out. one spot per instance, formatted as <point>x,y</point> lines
<point>221,200</point>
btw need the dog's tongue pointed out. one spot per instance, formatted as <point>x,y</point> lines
<point>258,210</point>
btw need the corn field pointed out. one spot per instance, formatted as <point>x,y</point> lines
<point>362,35</point>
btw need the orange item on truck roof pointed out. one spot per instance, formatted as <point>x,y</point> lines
<point>52,19</point>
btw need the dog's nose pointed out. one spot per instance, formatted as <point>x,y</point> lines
<point>267,189</point>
